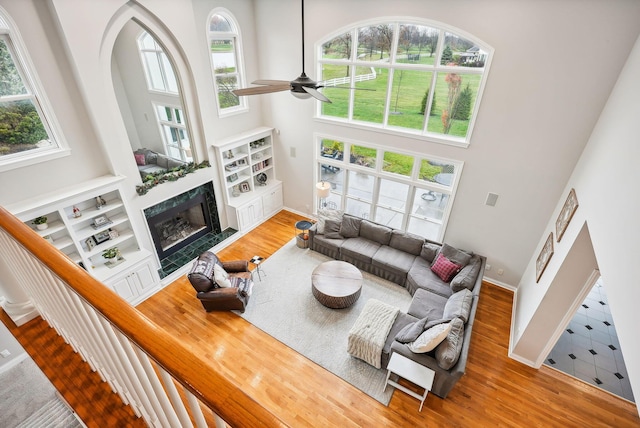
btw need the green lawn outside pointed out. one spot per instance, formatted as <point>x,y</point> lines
<point>369,105</point>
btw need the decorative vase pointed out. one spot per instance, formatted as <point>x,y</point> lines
<point>42,226</point>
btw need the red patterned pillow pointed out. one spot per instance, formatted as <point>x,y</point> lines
<point>445,268</point>
<point>139,158</point>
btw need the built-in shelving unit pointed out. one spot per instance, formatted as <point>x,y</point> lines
<point>247,167</point>
<point>85,222</point>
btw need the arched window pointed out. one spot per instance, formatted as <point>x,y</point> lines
<point>26,132</point>
<point>226,61</point>
<point>158,69</point>
<point>423,79</point>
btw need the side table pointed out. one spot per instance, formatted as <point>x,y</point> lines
<point>302,237</point>
<point>257,260</point>
<point>411,371</point>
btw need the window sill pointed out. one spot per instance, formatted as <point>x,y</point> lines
<point>23,161</point>
<point>457,142</point>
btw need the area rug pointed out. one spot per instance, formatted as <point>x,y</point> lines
<point>282,306</point>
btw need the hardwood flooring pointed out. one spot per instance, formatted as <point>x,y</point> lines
<point>495,391</point>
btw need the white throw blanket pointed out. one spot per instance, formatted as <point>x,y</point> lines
<point>370,331</point>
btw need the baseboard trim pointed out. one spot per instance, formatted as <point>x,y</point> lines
<point>500,284</point>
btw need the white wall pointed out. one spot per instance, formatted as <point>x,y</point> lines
<point>9,343</point>
<point>605,182</point>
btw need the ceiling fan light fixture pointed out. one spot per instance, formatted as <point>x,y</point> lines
<point>301,95</point>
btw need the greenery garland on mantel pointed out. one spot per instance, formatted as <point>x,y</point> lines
<point>155,178</point>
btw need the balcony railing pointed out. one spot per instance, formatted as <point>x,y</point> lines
<point>143,364</point>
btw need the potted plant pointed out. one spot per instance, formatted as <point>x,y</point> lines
<point>41,222</point>
<point>111,253</point>
<point>113,256</point>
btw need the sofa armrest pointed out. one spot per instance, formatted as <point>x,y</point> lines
<point>236,266</point>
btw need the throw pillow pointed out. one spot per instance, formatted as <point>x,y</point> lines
<point>221,276</point>
<point>163,161</point>
<point>456,256</point>
<point>332,229</point>
<point>325,214</point>
<point>429,251</point>
<point>139,159</point>
<point>411,331</point>
<point>458,305</point>
<point>430,338</point>
<point>466,278</point>
<point>350,227</point>
<point>448,352</point>
<point>445,268</point>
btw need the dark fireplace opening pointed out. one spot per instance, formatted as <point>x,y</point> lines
<point>177,222</point>
<point>180,225</point>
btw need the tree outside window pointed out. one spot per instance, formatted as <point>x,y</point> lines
<point>419,78</point>
<point>22,128</point>
<point>225,59</point>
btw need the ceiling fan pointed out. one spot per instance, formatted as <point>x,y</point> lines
<point>302,87</point>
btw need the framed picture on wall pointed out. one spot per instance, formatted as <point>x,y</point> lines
<point>544,257</point>
<point>566,214</point>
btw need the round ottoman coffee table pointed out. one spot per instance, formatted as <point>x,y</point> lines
<point>336,284</point>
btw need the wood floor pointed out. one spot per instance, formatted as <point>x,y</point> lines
<point>495,391</point>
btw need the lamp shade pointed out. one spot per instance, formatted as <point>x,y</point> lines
<point>323,189</point>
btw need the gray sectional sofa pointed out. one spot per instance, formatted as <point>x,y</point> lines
<point>407,260</point>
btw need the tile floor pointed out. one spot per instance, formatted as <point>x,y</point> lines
<point>589,349</point>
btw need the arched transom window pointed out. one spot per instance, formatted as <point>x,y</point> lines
<point>225,49</point>
<point>416,78</point>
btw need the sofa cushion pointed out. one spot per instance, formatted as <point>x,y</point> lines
<point>458,305</point>
<point>429,251</point>
<point>325,214</point>
<point>163,161</point>
<point>406,242</point>
<point>350,226</point>
<point>445,268</point>
<point>393,260</point>
<point>467,277</point>
<point>427,305</point>
<point>448,352</point>
<point>423,277</point>
<point>360,248</point>
<point>411,331</point>
<point>332,229</point>
<point>456,256</point>
<point>430,338</point>
<point>375,232</point>
<point>174,163</point>
<point>140,161</point>
<point>221,276</point>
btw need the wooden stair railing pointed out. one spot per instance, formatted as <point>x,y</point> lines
<point>119,342</point>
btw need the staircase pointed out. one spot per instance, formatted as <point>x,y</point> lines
<point>54,414</point>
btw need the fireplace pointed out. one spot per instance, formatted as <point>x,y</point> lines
<point>181,220</point>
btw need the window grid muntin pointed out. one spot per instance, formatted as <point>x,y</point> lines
<point>29,95</point>
<point>234,35</point>
<point>354,62</point>
<point>341,194</point>
<point>174,132</point>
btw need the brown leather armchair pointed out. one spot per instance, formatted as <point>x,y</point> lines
<point>213,297</point>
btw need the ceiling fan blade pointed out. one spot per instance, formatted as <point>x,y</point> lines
<point>270,82</point>
<point>316,94</point>
<point>261,90</point>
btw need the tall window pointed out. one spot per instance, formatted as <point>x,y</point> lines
<point>420,79</point>
<point>225,49</point>
<point>403,190</point>
<point>157,67</point>
<point>26,135</point>
<point>174,132</point>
